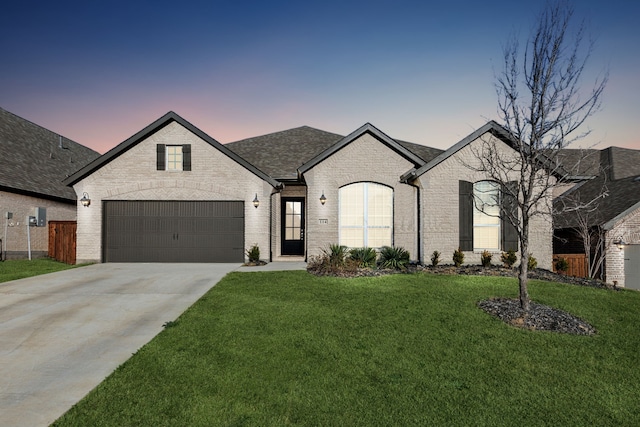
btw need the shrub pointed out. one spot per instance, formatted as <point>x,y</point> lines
<point>435,258</point>
<point>337,255</point>
<point>253,254</point>
<point>485,258</point>
<point>394,257</point>
<point>458,257</point>
<point>365,257</point>
<point>508,258</point>
<point>562,265</point>
<point>533,263</point>
<point>333,261</point>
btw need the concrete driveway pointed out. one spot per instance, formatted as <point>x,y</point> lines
<point>61,334</point>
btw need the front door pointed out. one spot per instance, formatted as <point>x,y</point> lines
<point>293,226</point>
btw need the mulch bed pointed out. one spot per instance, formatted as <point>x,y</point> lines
<point>539,318</point>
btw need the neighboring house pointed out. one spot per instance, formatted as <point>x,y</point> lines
<point>34,163</point>
<point>171,193</point>
<point>610,183</point>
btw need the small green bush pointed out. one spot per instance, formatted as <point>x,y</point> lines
<point>365,257</point>
<point>508,258</point>
<point>485,258</point>
<point>562,265</point>
<point>435,258</point>
<point>458,257</point>
<point>395,258</point>
<point>337,254</point>
<point>253,253</point>
<point>533,263</point>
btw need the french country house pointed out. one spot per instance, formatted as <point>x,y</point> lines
<point>172,193</point>
<point>33,167</point>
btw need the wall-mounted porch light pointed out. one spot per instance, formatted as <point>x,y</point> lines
<point>256,202</point>
<point>323,199</point>
<point>86,201</point>
<point>620,243</point>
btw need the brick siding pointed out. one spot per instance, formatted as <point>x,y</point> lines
<point>628,228</point>
<point>364,160</point>
<point>133,176</point>
<point>440,205</point>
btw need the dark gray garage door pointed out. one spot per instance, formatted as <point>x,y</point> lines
<point>173,231</point>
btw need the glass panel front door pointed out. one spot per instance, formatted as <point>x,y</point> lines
<point>292,226</point>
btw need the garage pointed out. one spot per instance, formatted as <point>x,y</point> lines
<point>632,267</point>
<point>173,231</point>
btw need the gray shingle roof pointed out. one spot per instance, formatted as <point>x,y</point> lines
<point>35,160</point>
<point>618,176</point>
<point>579,162</point>
<point>280,154</point>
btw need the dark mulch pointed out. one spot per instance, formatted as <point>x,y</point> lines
<point>539,317</point>
<point>537,274</point>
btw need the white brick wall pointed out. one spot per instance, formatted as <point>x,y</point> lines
<point>16,230</point>
<point>440,205</point>
<point>628,228</point>
<point>365,159</point>
<point>133,176</point>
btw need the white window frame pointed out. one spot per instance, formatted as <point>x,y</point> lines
<point>174,164</point>
<point>481,205</point>
<point>367,218</point>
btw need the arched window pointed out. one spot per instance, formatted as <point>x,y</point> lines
<point>366,215</point>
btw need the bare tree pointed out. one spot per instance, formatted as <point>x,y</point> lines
<point>542,107</point>
<point>579,212</point>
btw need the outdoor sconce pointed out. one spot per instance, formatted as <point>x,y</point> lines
<point>620,243</point>
<point>256,202</point>
<point>86,201</point>
<point>323,199</point>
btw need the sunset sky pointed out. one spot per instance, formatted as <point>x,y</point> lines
<point>421,71</point>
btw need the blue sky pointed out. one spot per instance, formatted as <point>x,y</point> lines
<point>97,72</point>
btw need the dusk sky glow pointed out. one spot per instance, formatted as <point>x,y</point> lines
<point>420,71</point>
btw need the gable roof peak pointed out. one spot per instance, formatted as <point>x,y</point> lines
<point>491,126</point>
<point>365,128</point>
<point>149,130</point>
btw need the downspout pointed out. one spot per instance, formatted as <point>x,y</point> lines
<point>271,227</point>
<point>409,181</point>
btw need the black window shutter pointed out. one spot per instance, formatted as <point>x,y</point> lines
<point>465,194</point>
<point>509,232</point>
<point>186,157</point>
<point>160,157</point>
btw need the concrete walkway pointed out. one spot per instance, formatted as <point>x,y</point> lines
<point>275,266</point>
<point>61,334</point>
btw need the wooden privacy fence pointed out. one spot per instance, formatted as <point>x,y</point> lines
<point>62,241</point>
<point>577,264</point>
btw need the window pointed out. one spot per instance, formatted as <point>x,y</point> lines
<point>486,216</point>
<point>173,157</point>
<point>481,224</point>
<point>366,215</point>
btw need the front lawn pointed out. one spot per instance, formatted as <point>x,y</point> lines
<point>19,269</point>
<point>289,348</point>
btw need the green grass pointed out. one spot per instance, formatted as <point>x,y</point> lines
<point>19,269</point>
<point>274,349</point>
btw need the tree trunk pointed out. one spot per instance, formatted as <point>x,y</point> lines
<point>523,280</point>
<point>524,266</point>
